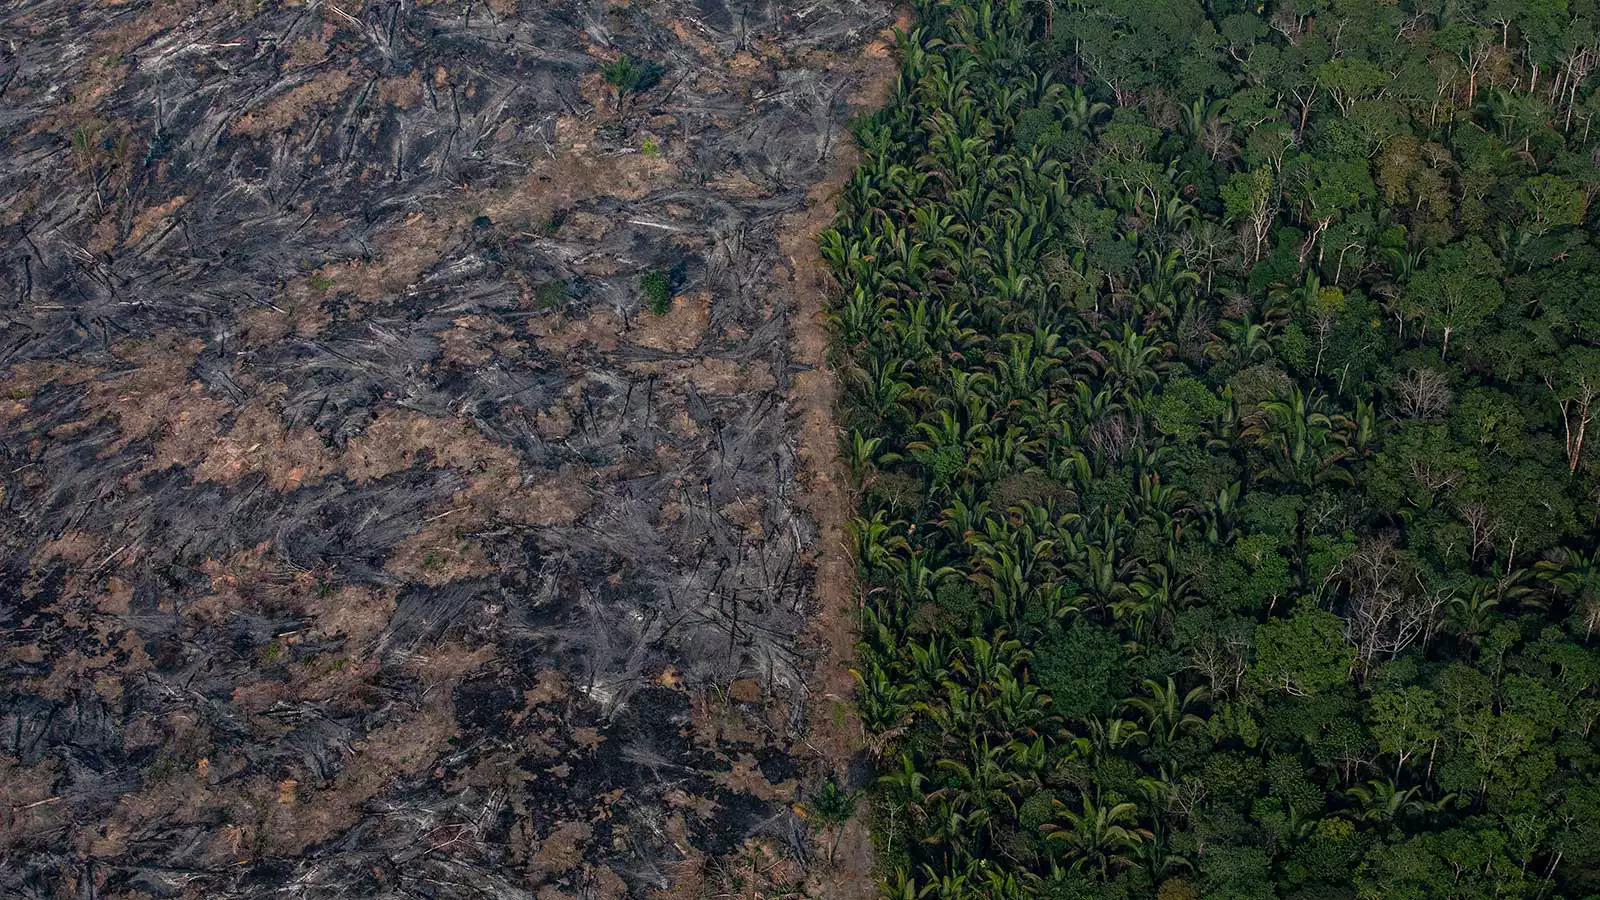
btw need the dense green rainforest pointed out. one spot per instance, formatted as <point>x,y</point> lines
<point>1219,391</point>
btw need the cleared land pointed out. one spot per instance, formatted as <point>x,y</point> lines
<point>360,533</point>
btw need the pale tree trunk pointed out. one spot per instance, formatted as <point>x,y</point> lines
<point>1311,241</point>
<point>1576,414</point>
<point>1575,441</point>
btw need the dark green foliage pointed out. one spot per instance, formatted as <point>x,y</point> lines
<point>657,291</point>
<point>1036,811</point>
<point>1229,520</point>
<point>627,75</point>
<point>553,294</point>
<point>1080,669</point>
<point>831,805</point>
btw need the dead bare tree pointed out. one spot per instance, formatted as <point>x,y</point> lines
<point>1221,658</point>
<point>1431,474</point>
<point>1421,394</point>
<point>1111,435</point>
<point>1481,525</point>
<point>1384,614</point>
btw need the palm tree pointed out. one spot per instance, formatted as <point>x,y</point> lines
<point>1576,576</point>
<point>875,540</point>
<point>881,388</point>
<point>1131,362</point>
<point>919,580</point>
<point>1100,838</point>
<point>626,76</point>
<point>1158,860</point>
<point>1108,736</point>
<point>1383,801</point>
<point>1248,342</point>
<point>879,697</point>
<point>831,807</point>
<point>1154,593</point>
<point>930,662</point>
<point>979,782</point>
<point>1081,114</point>
<point>1305,444</point>
<point>1165,713</point>
<point>861,455</point>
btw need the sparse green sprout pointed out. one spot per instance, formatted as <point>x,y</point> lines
<point>83,143</point>
<point>831,807</point>
<point>627,75</point>
<point>320,282</point>
<point>657,291</point>
<point>831,804</point>
<point>650,147</point>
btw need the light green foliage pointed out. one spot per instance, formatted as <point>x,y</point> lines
<point>1551,201</point>
<point>1303,655</point>
<point>1458,289</point>
<point>1186,408</point>
<point>1406,722</point>
<point>1492,420</point>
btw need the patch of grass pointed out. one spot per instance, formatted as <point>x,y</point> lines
<point>657,291</point>
<point>650,147</point>
<point>321,282</point>
<point>553,294</point>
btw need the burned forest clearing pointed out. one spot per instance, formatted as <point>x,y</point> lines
<point>416,464</point>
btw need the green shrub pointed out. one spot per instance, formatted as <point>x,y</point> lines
<point>1081,669</point>
<point>553,294</point>
<point>657,291</point>
<point>1036,811</point>
<point>627,75</point>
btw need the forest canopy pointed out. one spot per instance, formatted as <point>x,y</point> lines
<point>1219,395</point>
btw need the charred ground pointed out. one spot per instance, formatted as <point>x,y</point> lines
<point>359,531</point>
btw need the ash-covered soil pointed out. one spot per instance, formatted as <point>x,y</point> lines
<point>360,533</point>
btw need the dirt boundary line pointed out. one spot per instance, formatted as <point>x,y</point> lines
<point>836,731</point>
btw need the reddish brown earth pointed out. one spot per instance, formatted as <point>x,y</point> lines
<point>360,534</point>
<point>836,731</point>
